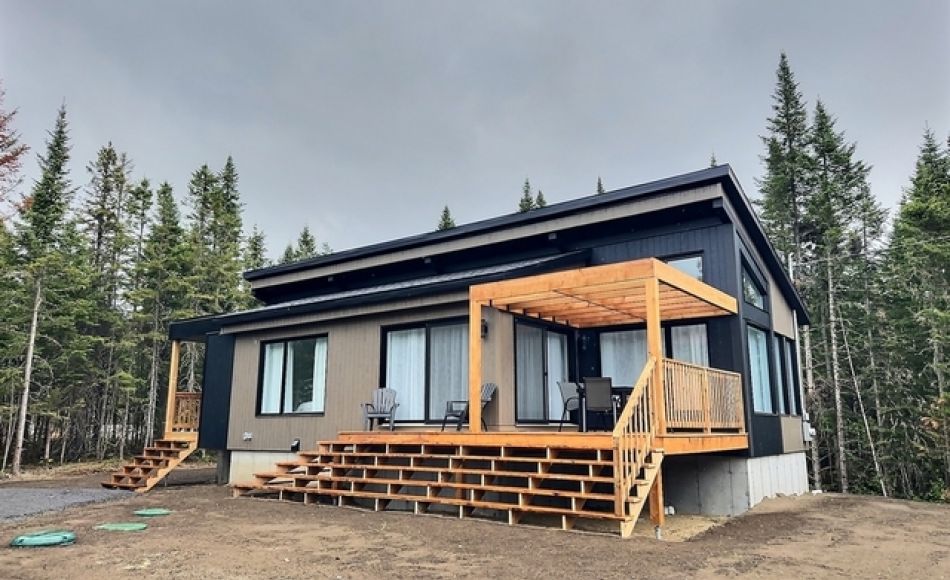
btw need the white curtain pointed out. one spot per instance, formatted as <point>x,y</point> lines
<point>529,363</point>
<point>318,396</point>
<point>759,370</point>
<point>273,371</point>
<point>406,371</point>
<point>690,344</point>
<point>448,367</point>
<point>623,355</point>
<point>557,371</point>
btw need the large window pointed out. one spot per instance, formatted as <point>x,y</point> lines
<point>692,265</point>
<point>294,376</point>
<point>427,365</point>
<point>690,344</point>
<point>622,356</point>
<point>541,361</point>
<point>759,370</point>
<point>624,353</point>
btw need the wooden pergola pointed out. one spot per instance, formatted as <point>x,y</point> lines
<point>635,292</point>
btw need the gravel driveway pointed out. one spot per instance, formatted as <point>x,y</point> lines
<point>19,502</point>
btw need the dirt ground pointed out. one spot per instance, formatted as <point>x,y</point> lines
<point>211,535</point>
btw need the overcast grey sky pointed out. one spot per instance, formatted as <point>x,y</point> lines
<point>363,119</point>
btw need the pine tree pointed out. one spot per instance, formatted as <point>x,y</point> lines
<point>445,221</point>
<point>11,155</point>
<point>41,233</point>
<point>306,245</point>
<point>255,251</point>
<point>539,201</point>
<point>289,255</point>
<point>600,186</point>
<point>783,187</point>
<point>712,159</point>
<point>526,203</point>
<point>918,316</point>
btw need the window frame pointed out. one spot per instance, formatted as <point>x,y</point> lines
<point>545,327</point>
<point>383,359</point>
<point>746,273</point>
<point>283,375</point>
<point>768,368</point>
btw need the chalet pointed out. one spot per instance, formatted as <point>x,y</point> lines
<point>669,292</point>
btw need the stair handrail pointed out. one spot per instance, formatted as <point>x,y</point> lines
<point>633,438</point>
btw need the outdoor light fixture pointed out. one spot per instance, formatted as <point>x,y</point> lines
<point>295,445</point>
<point>484,328</point>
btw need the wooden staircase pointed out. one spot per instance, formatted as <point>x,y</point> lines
<point>557,482</point>
<point>565,476</point>
<point>148,469</point>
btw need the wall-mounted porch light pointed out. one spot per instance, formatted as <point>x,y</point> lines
<point>484,328</point>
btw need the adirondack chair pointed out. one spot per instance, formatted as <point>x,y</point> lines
<point>382,407</point>
<point>457,411</point>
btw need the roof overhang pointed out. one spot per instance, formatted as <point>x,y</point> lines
<point>607,295</point>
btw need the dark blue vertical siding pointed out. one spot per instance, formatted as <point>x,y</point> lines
<point>216,391</point>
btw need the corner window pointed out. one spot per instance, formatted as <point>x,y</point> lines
<point>691,265</point>
<point>759,370</point>
<point>426,365</point>
<point>791,379</point>
<point>293,376</point>
<point>752,293</point>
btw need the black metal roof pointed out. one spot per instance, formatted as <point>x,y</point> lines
<point>423,286</point>
<point>719,174</point>
<point>581,204</point>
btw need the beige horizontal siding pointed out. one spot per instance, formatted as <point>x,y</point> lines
<point>352,374</point>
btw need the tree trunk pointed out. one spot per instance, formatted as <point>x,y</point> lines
<point>64,441</point>
<point>11,425</point>
<point>835,379</point>
<point>49,441</point>
<point>152,389</point>
<point>941,390</point>
<point>27,377</point>
<point>125,426</point>
<point>814,404</point>
<point>864,415</point>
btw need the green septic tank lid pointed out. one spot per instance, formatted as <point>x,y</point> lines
<point>122,527</point>
<point>152,512</point>
<point>45,538</point>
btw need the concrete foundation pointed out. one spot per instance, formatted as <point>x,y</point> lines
<point>245,463</point>
<point>726,486</point>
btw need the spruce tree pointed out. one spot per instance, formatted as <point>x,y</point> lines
<point>600,186</point>
<point>40,237</point>
<point>527,201</point>
<point>255,251</point>
<point>445,221</point>
<point>539,201</point>
<point>288,256</point>
<point>783,187</point>
<point>306,245</point>
<point>712,159</point>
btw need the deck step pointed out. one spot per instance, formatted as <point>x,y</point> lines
<point>155,462</point>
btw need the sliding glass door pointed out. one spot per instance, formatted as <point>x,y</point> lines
<point>541,361</point>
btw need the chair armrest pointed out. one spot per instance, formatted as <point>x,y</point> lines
<point>456,406</point>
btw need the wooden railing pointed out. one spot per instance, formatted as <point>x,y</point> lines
<point>699,398</point>
<point>187,411</point>
<point>633,438</point>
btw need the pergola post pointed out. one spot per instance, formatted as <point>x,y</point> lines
<point>474,366</point>
<point>655,350</point>
<point>172,387</point>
